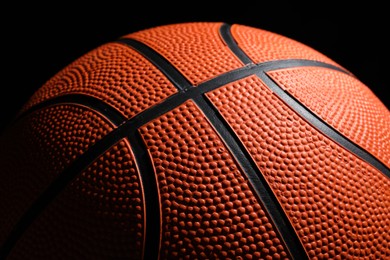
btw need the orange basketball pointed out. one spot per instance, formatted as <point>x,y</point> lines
<point>198,140</point>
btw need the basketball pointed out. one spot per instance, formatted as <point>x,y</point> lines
<point>198,140</point>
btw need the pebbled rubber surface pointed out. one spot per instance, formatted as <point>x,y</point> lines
<point>39,147</point>
<point>114,73</point>
<point>103,204</point>
<point>344,103</point>
<point>192,141</point>
<point>329,194</point>
<point>208,207</point>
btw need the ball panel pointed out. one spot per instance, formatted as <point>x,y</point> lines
<point>99,215</point>
<point>114,73</point>
<point>262,46</point>
<point>343,102</point>
<point>209,209</point>
<point>337,203</point>
<point>37,149</point>
<point>195,49</point>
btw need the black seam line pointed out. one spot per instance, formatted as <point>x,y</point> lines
<point>152,228</point>
<point>205,86</point>
<point>195,93</point>
<point>322,126</point>
<point>159,61</point>
<point>227,37</point>
<point>58,185</point>
<point>90,102</point>
<point>256,178</point>
<point>122,131</point>
<point>142,160</point>
<point>300,109</point>
<point>296,105</point>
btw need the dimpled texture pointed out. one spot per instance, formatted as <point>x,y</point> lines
<point>113,73</point>
<point>343,102</point>
<point>195,49</point>
<point>338,204</point>
<point>163,181</point>
<point>262,46</point>
<point>208,207</point>
<point>37,149</point>
<point>102,204</point>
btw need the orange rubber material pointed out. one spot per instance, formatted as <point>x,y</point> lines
<point>196,156</point>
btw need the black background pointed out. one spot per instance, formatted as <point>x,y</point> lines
<point>38,41</point>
